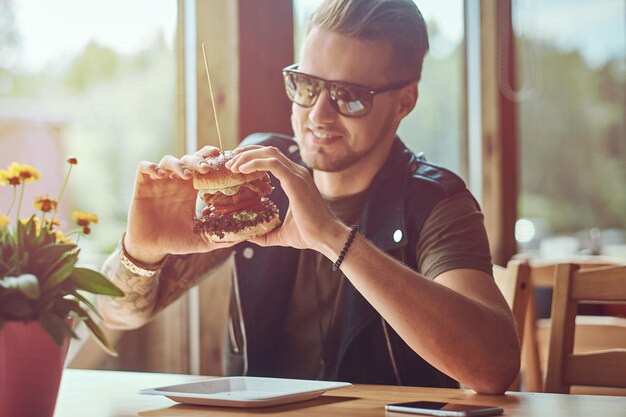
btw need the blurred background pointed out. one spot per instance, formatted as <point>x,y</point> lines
<point>525,99</point>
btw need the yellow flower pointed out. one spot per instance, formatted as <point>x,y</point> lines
<point>84,219</point>
<point>50,223</point>
<point>8,177</point>
<point>4,177</point>
<point>4,220</point>
<point>59,238</point>
<point>46,204</point>
<point>19,173</point>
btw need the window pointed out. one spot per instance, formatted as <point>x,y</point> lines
<point>435,126</point>
<point>97,81</point>
<point>572,101</point>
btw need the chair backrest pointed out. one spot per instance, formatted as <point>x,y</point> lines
<point>514,283</point>
<point>542,273</point>
<point>572,285</point>
<point>537,332</point>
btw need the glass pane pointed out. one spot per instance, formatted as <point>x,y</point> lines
<point>572,76</point>
<point>96,81</point>
<point>435,126</point>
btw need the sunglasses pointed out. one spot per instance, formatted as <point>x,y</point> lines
<point>350,100</point>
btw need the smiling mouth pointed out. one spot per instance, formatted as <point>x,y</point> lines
<point>323,137</point>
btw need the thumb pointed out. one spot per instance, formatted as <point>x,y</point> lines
<point>269,239</point>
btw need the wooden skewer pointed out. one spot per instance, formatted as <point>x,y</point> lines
<point>206,67</point>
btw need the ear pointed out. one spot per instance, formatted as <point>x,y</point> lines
<point>408,99</point>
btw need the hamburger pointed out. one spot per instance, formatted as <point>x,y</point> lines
<point>237,205</point>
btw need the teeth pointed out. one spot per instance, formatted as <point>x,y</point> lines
<point>321,135</point>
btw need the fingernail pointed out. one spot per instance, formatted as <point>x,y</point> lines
<point>186,172</point>
<point>204,163</point>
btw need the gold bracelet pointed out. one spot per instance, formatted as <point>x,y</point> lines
<point>136,267</point>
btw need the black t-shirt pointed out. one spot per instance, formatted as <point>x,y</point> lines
<point>452,237</point>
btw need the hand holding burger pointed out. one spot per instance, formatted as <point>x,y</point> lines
<point>237,207</point>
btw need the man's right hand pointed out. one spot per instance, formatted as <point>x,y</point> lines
<point>162,210</point>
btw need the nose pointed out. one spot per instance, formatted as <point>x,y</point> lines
<point>322,111</point>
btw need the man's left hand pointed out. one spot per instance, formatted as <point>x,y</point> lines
<point>308,219</point>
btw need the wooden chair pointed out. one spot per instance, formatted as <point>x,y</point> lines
<point>537,331</point>
<point>514,283</point>
<point>606,368</point>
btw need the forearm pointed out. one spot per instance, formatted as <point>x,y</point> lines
<point>146,296</point>
<point>472,341</point>
<point>140,296</point>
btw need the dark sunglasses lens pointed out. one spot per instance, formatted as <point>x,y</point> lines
<point>351,100</point>
<point>301,89</point>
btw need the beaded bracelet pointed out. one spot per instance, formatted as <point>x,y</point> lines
<point>353,229</point>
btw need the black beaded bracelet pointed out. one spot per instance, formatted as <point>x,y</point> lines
<point>353,229</point>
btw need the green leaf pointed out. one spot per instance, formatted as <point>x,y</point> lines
<point>100,337</point>
<point>4,267</point>
<point>60,271</point>
<point>94,282</point>
<point>86,301</point>
<point>63,306</point>
<point>30,235</point>
<point>31,227</point>
<point>50,253</point>
<point>27,284</point>
<point>17,308</point>
<point>53,325</point>
<point>38,239</point>
<point>11,240</point>
<point>62,309</point>
<point>20,237</point>
<point>48,238</point>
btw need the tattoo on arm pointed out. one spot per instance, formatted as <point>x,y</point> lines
<point>185,271</point>
<point>135,308</point>
<point>146,296</point>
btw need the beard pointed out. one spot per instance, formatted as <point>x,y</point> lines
<point>320,158</point>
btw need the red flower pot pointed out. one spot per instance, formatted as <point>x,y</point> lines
<point>31,365</point>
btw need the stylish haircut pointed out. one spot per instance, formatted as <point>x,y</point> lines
<point>398,23</point>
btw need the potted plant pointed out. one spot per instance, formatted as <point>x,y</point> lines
<point>43,295</point>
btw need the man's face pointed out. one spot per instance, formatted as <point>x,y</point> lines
<point>332,142</point>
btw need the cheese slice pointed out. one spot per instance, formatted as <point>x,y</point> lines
<point>226,191</point>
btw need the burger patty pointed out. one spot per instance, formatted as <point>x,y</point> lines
<point>225,223</point>
<point>247,191</point>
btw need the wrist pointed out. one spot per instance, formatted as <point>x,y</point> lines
<point>333,240</point>
<point>145,257</point>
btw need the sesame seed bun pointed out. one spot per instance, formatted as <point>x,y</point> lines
<point>219,176</point>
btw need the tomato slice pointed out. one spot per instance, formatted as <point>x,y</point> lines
<point>242,205</point>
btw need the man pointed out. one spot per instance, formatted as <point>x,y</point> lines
<point>413,301</point>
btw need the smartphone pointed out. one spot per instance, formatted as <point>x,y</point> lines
<point>431,408</point>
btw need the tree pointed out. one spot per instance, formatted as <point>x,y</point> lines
<point>9,36</point>
<point>94,64</point>
<point>573,143</point>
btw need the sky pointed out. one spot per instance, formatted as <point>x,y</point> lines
<point>596,28</point>
<point>53,29</point>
